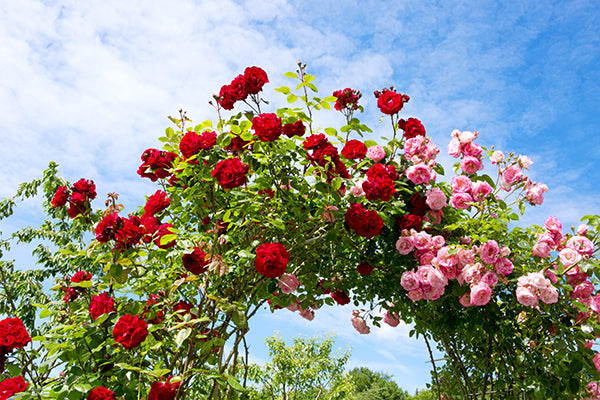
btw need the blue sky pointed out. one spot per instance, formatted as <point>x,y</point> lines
<point>89,85</point>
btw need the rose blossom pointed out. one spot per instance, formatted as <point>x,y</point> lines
<point>267,127</point>
<point>582,229</point>
<point>389,102</point>
<point>569,257</point>
<point>366,223</point>
<point>11,386</point>
<point>526,297</point>
<point>230,173</point>
<point>13,335</point>
<point>422,240</point>
<point>409,280</point>
<point>596,361</point>
<point>415,295</point>
<point>496,157</point>
<point>541,249</point>
<point>391,318</point>
<point>340,297</point>
<point>436,199</point>
<point>354,149</point>
<point>101,393</point>
<point>454,148</point>
<point>490,278</point>
<point>490,252</point>
<point>364,268</point>
<point>288,283</point>
<point>60,197</point>
<point>480,294</point>
<point>470,165</point>
<point>163,390</point>
<point>461,184</point>
<point>255,78</point>
<point>376,153</point>
<point>461,200</point>
<point>307,314</point>
<point>271,259</point>
<point>357,189</point>
<point>101,304</point>
<point>481,190</point>
<point>405,244</point>
<point>195,262</point>
<point>419,174</point>
<point>512,174</point>
<point>359,323</point>
<point>582,245</point>
<point>525,161</point>
<point>130,331</point>
<point>465,300</point>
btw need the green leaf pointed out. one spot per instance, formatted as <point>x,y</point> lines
<point>370,143</point>
<point>45,313</point>
<point>166,239</point>
<point>128,367</point>
<point>182,335</point>
<point>284,90</point>
<point>13,369</point>
<point>291,75</point>
<point>292,98</point>
<point>330,131</point>
<point>312,87</point>
<point>235,384</point>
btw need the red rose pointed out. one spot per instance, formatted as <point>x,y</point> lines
<point>163,390</point>
<point>412,128</point>
<point>364,268</point>
<point>230,173</point>
<point>410,221</point>
<point>80,276</point>
<point>101,393</point>
<point>150,224</point>
<point>85,187</point>
<point>295,129</point>
<point>238,88</point>
<point>340,297</point>
<point>195,262</point>
<point>419,205</point>
<point>255,79</point>
<point>237,144</point>
<point>271,259</point>
<point>11,386</point>
<point>208,140</point>
<point>156,163</point>
<point>12,335</point>
<point>101,304</point>
<point>130,233</point>
<point>354,149</point>
<point>379,188</point>
<point>315,141</point>
<point>226,98</point>
<point>267,127</point>
<point>390,102</point>
<point>70,294</point>
<point>182,308</point>
<point>149,311</point>
<point>189,144</point>
<point>156,203</point>
<point>346,99</point>
<point>365,223</point>
<point>163,230</point>
<point>60,197</point>
<point>107,227</point>
<point>130,331</point>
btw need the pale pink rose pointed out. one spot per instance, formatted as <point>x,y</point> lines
<point>465,257</point>
<point>582,230</point>
<point>583,290</point>
<point>581,244</point>
<point>537,280</point>
<point>461,200</point>
<point>481,190</point>
<point>359,323</point>
<point>409,281</point>
<point>415,295</point>
<point>436,278</point>
<point>431,151</point>
<point>376,153</point>
<point>525,162</point>
<point>466,137</point>
<point>454,148</point>
<point>461,183</point>
<point>596,361</point>
<point>490,278</point>
<point>480,294</point>
<point>569,256</point>
<point>419,174</point>
<point>357,190</point>
<point>549,295</point>
<point>472,149</point>
<point>391,318</point>
<point>405,244</point>
<point>294,306</point>
<point>512,174</point>
<point>503,185</point>
<point>414,146</point>
<point>551,275</point>
<point>328,214</point>
<point>307,314</point>
<point>422,240</point>
<point>470,165</point>
<point>553,225</point>
<point>504,251</point>
<point>288,283</point>
<point>535,195</point>
<point>436,199</point>
<point>437,242</point>
<point>497,157</point>
<point>504,266</point>
<point>526,297</point>
<point>541,249</point>
<point>472,273</point>
<point>490,252</point>
<point>465,300</point>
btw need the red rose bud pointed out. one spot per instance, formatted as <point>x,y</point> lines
<point>271,259</point>
<point>195,262</point>
<point>130,331</point>
<point>346,99</point>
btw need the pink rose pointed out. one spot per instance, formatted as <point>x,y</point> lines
<point>480,294</point>
<point>490,278</point>
<point>357,190</point>
<point>465,300</point>
<point>541,249</point>
<point>582,229</point>
<point>307,314</point>
<point>409,281</point>
<point>454,148</point>
<point>288,283</point>
<point>419,174</point>
<point>504,266</point>
<point>596,361</point>
<point>391,318</point>
<point>461,184</point>
<point>490,252</point>
<point>512,174</point>
<point>415,295</point>
<point>461,200</point>
<point>359,323</point>
<point>553,225</point>
<point>497,157</point>
<point>466,137</point>
<point>569,257</point>
<point>525,162</point>
<point>422,240</point>
<point>470,165</point>
<point>481,190</point>
<point>535,195</point>
<point>526,297</point>
<point>376,153</point>
<point>436,199</point>
<point>405,244</point>
<point>549,295</point>
<point>582,245</point>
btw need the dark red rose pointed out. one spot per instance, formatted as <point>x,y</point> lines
<point>163,230</point>
<point>60,197</point>
<point>366,223</point>
<point>390,102</point>
<point>182,308</point>
<point>81,276</point>
<point>156,164</point>
<point>163,390</point>
<point>267,127</point>
<point>101,304</point>
<point>230,173</point>
<point>354,149</point>
<point>315,141</point>
<point>70,294</point>
<point>150,224</point>
<point>380,188</point>
<point>419,205</point>
<point>295,129</point>
<point>412,128</point>
<point>130,233</point>
<point>226,97</point>
<point>107,227</point>
<point>346,99</point>
<point>410,221</point>
<point>101,393</point>
<point>340,297</point>
<point>267,192</point>
<point>238,88</point>
<point>255,79</point>
<point>190,144</point>
<point>151,310</point>
<point>130,331</point>
<point>271,259</point>
<point>237,144</point>
<point>364,268</point>
<point>11,386</point>
<point>195,262</point>
<point>13,335</point>
<point>85,187</point>
<point>156,203</point>
<point>208,140</point>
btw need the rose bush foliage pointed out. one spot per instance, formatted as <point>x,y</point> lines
<point>267,209</point>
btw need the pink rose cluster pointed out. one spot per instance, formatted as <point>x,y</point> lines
<point>535,286</point>
<point>466,192</point>
<point>421,151</point>
<point>462,144</point>
<point>359,323</point>
<point>305,313</point>
<point>592,388</point>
